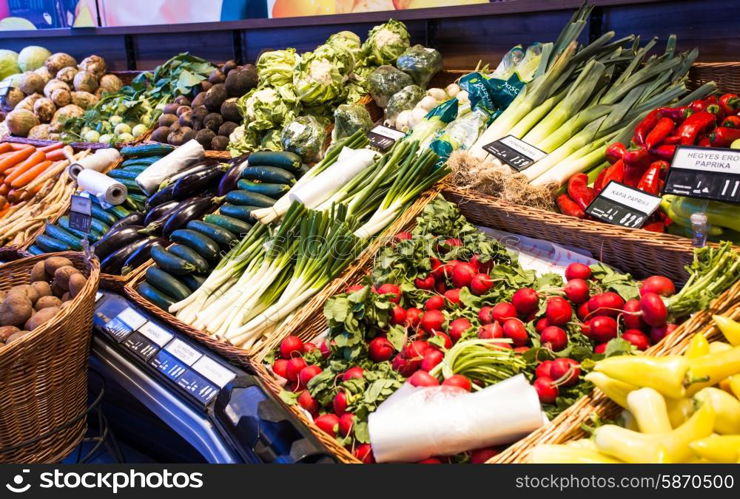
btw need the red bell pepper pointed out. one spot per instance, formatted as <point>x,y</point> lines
<point>695,124</point>
<point>662,129</point>
<point>723,136</point>
<point>615,152</point>
<point>643,128</point>
<point>665,151</point>
<point>650,181</point>
<point>731,122</point>
<point>579,191</point>
<point>569,207</point>
<point>676,113</point>
<point>730,104</point>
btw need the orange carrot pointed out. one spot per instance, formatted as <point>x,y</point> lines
<point>30,174</point>
<point>4,189</point>
<point>56,155</point>
<point>5,147</point>
<point>15,158</point>
<point>22,168</point>
<point>52,147</point>
<point>17,146</point>
<point>4,211</point>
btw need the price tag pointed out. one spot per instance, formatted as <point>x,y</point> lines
<point>140,345</point>
<point>118,329</point>
<point>197,386</point>
<point>514,152</point>
<point>183,351</point>
<point>80,213</point>
<point>383,137</point>
<point>705,172</point>
<point>131,317</point>
<point>168,364</point>
<point>619,204</point>
<point>213,371</point>
<point>156,334</point>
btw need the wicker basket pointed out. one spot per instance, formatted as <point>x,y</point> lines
<point>725,74</point>
<point>43,376</point>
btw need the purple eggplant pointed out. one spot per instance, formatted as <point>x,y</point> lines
<point>159,210</point>
<point>196,183</point>
<point>161,196</point>
<point>231,177</point>
<point>141,254</point>
<point>193,209</point>
<point>116,239</point>
<point>135,218</point>
<point>113,263</point>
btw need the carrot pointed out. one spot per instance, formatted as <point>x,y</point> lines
<point>4,189</point>
<point>4,211</point>
<point>52,147</point>
<point>15,158</point>
<point>56,155</point>
<point>17,146</point>
<point>33,160</point>
<point>5,147</point>
<point>29,174</point>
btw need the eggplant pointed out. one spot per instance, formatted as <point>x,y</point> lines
<point>141,254</point>
<point>231,177</point>
<point>202,165</point>
<point>113,263</point>
<point>135,218</point>
<point>156,212</point>
<point>155,226</point>
<point>161,196</point>
<point>194,209</point>
<point>116,239</point>
<point>196,183</point>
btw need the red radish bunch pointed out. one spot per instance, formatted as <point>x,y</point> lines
<point>458,327</point>
<point>525,301</point>
<point>390,289</point>
<point>380,349</point>
<point>459,381</point>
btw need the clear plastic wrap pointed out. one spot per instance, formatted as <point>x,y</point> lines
<point>402,100</point>
<point>304,136</point>
<point>385,81</point>
<point>421,63</point>
<point>348,118</point>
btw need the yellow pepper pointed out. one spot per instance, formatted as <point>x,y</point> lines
<point>735,385</point>
<point>718,449</point>
<point>564,454</point>
<point>711,369</point>
<point>627,420</point>
<point>671,447</point>
<point>664,374</point>
<point>726,407</point>
<point>582,443</point>
<point>612,388</point>
<point>719,346</point>
<point>698,347</point>
<point>679,410</point>
<point>649,409</point>
<point>730,328</point>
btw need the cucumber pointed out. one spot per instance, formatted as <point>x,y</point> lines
<point>63,222</point>
<point>167,284</point>
<point>191,256</point>
<point>193,281</point>
<point>98,227</point>
<point>122,174</point>
<point>169,262</point>
<point>233,225</point>
<point>246,198</point>
<point>203,245</point>
<point>62,235</point>
<point>243,213</point>
<point>222,236</point>
<point>144,150</point>
<point>35,250</point>
<point>119,212</point>
<point>50,244</point>
<point>155,296</point>
<point>273,190</point>
<point>268,174</point>
<point>287,160</point>
<point>99,213</point>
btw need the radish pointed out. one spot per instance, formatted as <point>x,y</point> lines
<point>565,371</point>
<point>458,327</point>
<point>525,301</point>
<point>600,348</point>
<point>295,365</point>
<point>328,423</point>
<point>353,373</point>
<point>546,389</point>
<point>453,295</point>
<point>355,288</point>
<point>364,453</point>
<point>390,289</point>
<point>280,367</point>
<point>452,242</point>
<point>307,347</point>
<point>475,262</point>
<point>502,346</point>
<point>423,378</point>
<point>481,267</point>
<point>541,324</point>
<point>514,329</point>
<point>339,403</point>
<point>481,284</point>
<point>544,369</point>
<point>429,460</point>
<point>325,348</point>
<point>577,291</point>
<point>481,456</point>
<point>485,315</point>
<point>402,236</point>
<point>434,303</point>
<point>602,328</point>
<point>380,349</point>
<point>558,311</point>
<point>432,320</point>
<point>637,338</point>
<point>459,381</point>
<point>521,350</point>
<point>658,284</point>
<point>307,402</point>
<point>462,274</point>
<point>577,271</point>
<point>426,283</point>
<point>404,366</point>
<point>415,350</point>
<point>346,421</point>
<point>291,345</point>
<point>440,286</point>
<point>582,311</point>
<point>654,311</point>
<point>658,333</point>
<point>503,311</point>
<point>446,340</point>
<point>398,315</point>
<point>413,317</point>
<point>632,316</point>
<point>438,268</point>
<point>307,373</point>
<point>555,337</point>
<point>490,331</point>
<point>432,357</point>
<point>608,303</point>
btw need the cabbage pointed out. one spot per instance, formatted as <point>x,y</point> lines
<point>320,77</point>
<point>8,63</point>
<point>243,140</point>
<point>276,68</point>
<point>421,63</point>
<point>348,118</point>
<point>32,57</point>
<point>264,108</point>
<point>386,42</point>
<point>304,136</point>
<point>271,141</point>
<point>386,81</point>
<point>348,42</point>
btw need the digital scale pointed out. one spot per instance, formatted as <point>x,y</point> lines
<point>221,411</point>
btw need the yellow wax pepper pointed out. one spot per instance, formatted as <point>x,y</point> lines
<point>627,420</point>
<point>719,346</point>
<point>718,449</point>
<point>735,385</point>
<point>730,328</point>
<point>679,410</point>
<point>664,374</point>
<point>670,447</point>
<point>583,443</point>
<point>698,347</point>
<point>649,409</point>
<point>711,369</point>
<point>563,454</point>
<point>612,388</point>
<point>726,408</point>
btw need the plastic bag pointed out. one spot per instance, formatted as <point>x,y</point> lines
<point>386,81</point>
<point>304,136</point>
<point>460,134</point>
<point>401,101</point>
<point>421,63</point>
<point>348,118</point>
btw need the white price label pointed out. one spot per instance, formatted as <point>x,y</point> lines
<point>132,318</point>
<point>213,371</point>
<point>187,354</point>
<point>156,334</point>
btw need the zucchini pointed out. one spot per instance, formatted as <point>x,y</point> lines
<point>139,198</point>
<point>169,262</point>
<point>243,213</point>
<point>246,198</point>
<point>268,174</point>
<point>203,245</point>
<point>222,236</point>
<point>233,225</point>
<point>99,213</point>
<point>131,185</point>
<point>136,169</point>
<point>62,235</point>
<point>63,222</point>
<point>122,174</point>
<point>282,159</point>
<point>167,284</point>
<point>35,250</point>
<point>155,296</point>
<point>145,150</point>
<point>51,244</point>
<point>193,281</point>
<point>139,162</point>
<point>119,212</point>
<point>98,227</point>
<point>273,190</point>
<point>191,256</point>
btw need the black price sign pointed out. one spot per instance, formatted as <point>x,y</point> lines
<point>197,386</point>
<point>706,173</point>
<point>619,204</point>
<point>514,152</point>
<point>383,137</point>
<point>140,345</point>
<point>80,213</point>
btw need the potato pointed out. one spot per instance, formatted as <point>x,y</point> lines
<point>66,297</point>
<point>38,273</point>
<point>48,301</point>
<point>76,283</point>
<point>57,291</point>
<point>15,310</point>
<point>52,263</point>
<point>27,290</point>
<point>7,331</point>
<point>16,336</point>
<point>40,317</point>
<point>62,275</point>
<point>42,288</point>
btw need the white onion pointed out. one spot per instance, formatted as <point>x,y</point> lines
<point>427,103</point>
<point>417,115</point>
<point>452,89</point>
<point>463,96</point>
<point>437,93</point>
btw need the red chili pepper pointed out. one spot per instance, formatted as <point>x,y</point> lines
<point>673,139</point>
<point>644,127</point>
<point>614,172</point>
<point>712,99</point>
<point>731,122</point>
<point>662,129</point>
<point>599,182</point>
<point>579,191</point>
<point>723,136</point>
<point>664,151</point>
<point>704,142</point>
<point>676,113</point>
<point>569,207</point>
<point>658,226</point>
<point>730,103</point>
<point>705,105</point>
<point>615,152</point>
<point>695,124</point>
<point>650,181</point>
<point>636,157</point>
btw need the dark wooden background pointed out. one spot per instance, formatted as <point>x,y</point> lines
<point>464,35</point>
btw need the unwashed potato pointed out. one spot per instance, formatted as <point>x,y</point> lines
<point>40,317</point>
<point>27,290</point>
<point>76,283</point>
<point>7,331</point>
<point>16,336</point>
<point>15,310</point>
<point>52,263</point>
<point>42,288</point>
<point>62,276</point>
<point>57,291</point>
<point>66,297</point>
<point>38,273</point>
<point>48,301</point>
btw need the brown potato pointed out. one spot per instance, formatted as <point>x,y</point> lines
<point>62,275</point>
<point>15,310</point>
<point>16,336</point>
<point>52,263</point>
<point>76,283</point>
<point>38,273</point>
<point>66,297</point>
<point>7,331</point>
<point>27,290</point>
<point>57,291</point>
<point>40,317</point>
<point>42,288</point>
<point>48,301</point>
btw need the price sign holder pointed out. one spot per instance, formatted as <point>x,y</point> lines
<point>80,213</point>
<point>514,152</point>
<point>705,172</point>
<point>619,204</point>
<point>383,137</point>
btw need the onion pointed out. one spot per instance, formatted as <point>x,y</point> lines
<point>427,103</point>
<point>437,93</point>
<point>452,89</point>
